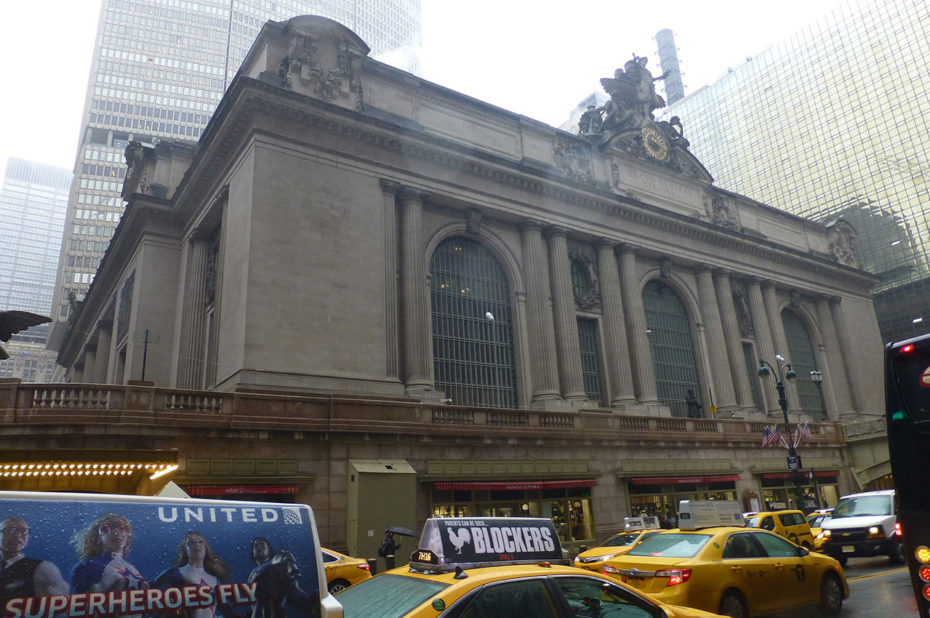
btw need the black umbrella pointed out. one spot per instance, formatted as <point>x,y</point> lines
<point>401,531</point>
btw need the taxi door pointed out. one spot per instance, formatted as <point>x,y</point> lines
<point>796,584</point>
<point>751,570</point>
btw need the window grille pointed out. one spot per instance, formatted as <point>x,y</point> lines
<point>672,349</point>
<point>590,365</point>
<point>473,360</point>
<point>802,359</point>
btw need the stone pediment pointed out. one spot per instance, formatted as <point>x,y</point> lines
<point>661,143</point>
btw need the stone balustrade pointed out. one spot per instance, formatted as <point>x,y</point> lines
<point>88,405</point>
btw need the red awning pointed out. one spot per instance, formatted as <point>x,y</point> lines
<point>237,490</point>
<point>512,485</point>
<point>685,480</point>
<point>787,475</point>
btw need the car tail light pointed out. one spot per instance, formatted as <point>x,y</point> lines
<point>897,529</point>
<point>363,567</point>
<point>675,576</point>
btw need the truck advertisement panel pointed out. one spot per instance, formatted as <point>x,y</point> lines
<point>198,559</point>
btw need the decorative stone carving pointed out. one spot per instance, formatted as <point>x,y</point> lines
<point>665,268</point>
<point>473,221</point>
<point>211,269</point>
<point>842,242</point>
<point>137,162</point>
<point>743,312</point>
<point>322,65</point>
<point>723,212</point>
<point>633,96</point>
<point>587,297</point>
<point>572,159</point>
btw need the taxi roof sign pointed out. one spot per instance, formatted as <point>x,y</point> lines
<point>693,514</point>
<point>469,542</point>
<point>645,522</point>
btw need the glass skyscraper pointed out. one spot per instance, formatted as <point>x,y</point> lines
<point>831,123</point>
<point>159,69</point>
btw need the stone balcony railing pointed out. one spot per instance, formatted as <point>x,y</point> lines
<point>162,409</point>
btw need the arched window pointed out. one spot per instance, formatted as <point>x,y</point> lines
<point>802,359</point>
<point>473,358</point>
<point>672,350</point>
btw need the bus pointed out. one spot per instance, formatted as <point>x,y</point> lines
<point>907,403</point>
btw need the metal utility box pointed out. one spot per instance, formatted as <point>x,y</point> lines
<point>381,493</point>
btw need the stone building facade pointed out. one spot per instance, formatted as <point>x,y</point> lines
<point>355,268</point>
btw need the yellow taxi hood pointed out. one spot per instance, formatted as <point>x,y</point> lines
<point>596,552</point>
<point>673,611</point>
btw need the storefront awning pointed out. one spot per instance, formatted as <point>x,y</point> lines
<point>787,475</point>
<point>684,480</point>
<point>236,490</point>
<point>512,485</point>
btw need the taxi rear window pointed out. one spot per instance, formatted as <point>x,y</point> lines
<point>672,545</point>
<point>387,596</point>
<point>621,540</point>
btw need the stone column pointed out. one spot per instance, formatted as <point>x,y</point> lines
<point>765,348</point>
<point>191,349</point>
<point>846,349</point>
<point>644,377</point>
<point>723,395</point>
<point>619,378</point>
<point>389,193</point>
<point>543,365</point>
<point>103,351</point>
<point>566,324</point>
<point>415,340</point>
<point>770,294</point>
<point>733,340</point>
<point>835,387</point>
<point>90,364</point>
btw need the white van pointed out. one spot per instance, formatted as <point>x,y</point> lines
<point>85,555</point>
<point>864,524</point>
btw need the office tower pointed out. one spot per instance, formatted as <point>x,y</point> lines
<point>33,200</point>
<point>830,123</point>
<point>159,69</point>
<point>668,60</point>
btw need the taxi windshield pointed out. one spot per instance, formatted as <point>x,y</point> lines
<point>387,596</point>
<point>672,545</point>
<point>859,506</point>
<point>621,540</point>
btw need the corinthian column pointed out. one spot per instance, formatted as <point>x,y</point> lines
<point>644,377</point>
<point>835,387</point>
<point>191,359</point>
<point>732,338</point>
<point>619,379</point>
<point>543,367</point>
<point>416,344</point>
<point>765,348</point>
<point>566,324</point>
<point>717,349</point>
<point>843,334</point>
<point>103,351</point>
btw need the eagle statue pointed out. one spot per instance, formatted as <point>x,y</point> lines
<point>11,322</point>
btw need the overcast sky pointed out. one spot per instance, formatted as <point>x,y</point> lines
<point>538,58</point>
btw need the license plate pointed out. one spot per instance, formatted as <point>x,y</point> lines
<point>848,549</point>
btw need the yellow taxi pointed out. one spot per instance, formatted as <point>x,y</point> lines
<point>343,571</point>
<point>496,567</point>
<point>636,530</point>
<point>729,569</point>
<point>815,521</point>
<point>788,523</point>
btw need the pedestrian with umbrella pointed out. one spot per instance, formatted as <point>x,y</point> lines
<point>389,546</point>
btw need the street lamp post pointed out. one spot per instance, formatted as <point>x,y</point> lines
<point>785,372</point>
<point>817,379</point>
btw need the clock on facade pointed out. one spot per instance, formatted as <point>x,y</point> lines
<point>654,143</point>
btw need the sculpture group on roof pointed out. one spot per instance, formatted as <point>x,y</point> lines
<point>633,98</point>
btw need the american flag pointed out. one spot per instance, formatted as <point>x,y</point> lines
<point>770,436</point>
<point>801,433</point>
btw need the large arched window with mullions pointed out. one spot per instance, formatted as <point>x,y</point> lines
<point>473,358</point>
<point>672,348</point>
<point>803,361</point>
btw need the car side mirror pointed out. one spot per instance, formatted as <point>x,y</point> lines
<point>803,551</point>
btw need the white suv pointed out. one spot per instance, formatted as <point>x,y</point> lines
<point>864,524</point>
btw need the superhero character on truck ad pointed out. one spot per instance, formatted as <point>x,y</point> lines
<point>154,560</point>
